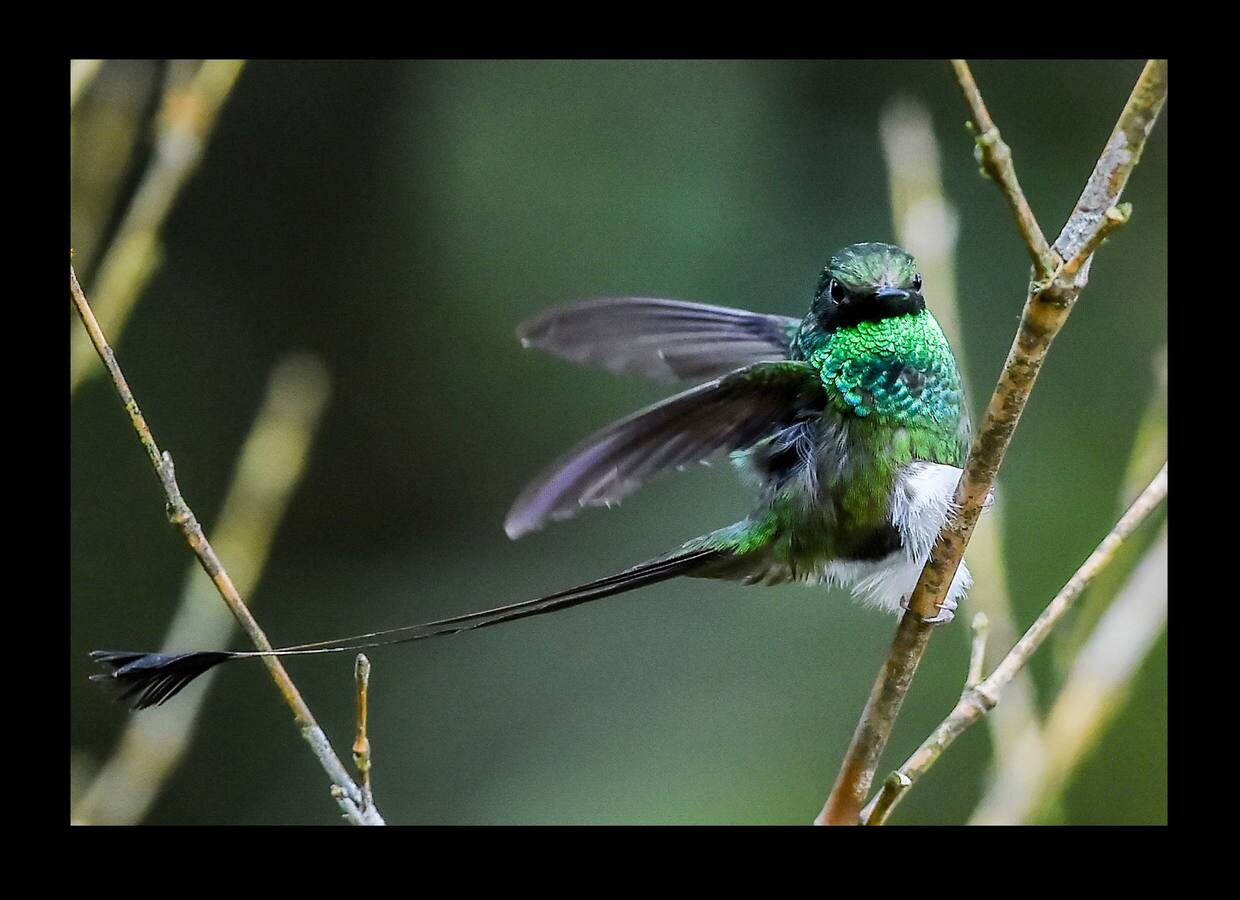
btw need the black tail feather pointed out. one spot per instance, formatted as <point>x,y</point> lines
<point>638,576</point>
<point>141,680</point>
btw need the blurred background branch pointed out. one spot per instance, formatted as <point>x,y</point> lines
<point>195,93</point>
<point>81,73</point>
<point>1148,450</point>
<point>268,470</point>
<point>109,136</point>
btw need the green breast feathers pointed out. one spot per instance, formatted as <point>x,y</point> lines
<point>899,375</point>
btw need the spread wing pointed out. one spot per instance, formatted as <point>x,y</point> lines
<point>729,413</point>
<point>662,339</point>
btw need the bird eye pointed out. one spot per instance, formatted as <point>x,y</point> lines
<point>837,291</point>
<point>917,282</point>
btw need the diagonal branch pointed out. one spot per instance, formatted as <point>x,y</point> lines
<point>995,157</point>
<point>1118,159</point>
<point>1046,310</point>
<point>978,700</point>
<point>345,791</point>
<point>271,463</point>
<point>927,225</point>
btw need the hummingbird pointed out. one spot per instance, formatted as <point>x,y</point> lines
<point>849,423</point>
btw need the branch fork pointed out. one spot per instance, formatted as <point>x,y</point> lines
<point>1054,290</point>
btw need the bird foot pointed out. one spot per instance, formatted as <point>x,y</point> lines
<point>946,612</point>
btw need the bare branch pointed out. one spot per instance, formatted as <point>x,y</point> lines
<point>268,469</point>
<point>980,699</point>
<point>927,225</point>
<point>1045,312</point>
<point>346,793</point>
<point>1118,159</point>
<point>1112,219</point>
<point>996,159</point>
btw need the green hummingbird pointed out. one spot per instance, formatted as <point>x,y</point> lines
<point>850,423</point>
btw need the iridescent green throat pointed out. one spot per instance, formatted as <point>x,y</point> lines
<point>897,372</point>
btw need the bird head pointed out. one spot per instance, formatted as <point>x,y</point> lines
<point>866,282</point>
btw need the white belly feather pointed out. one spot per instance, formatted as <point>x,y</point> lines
<point>920,504</point>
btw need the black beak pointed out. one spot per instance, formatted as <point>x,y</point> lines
<point>895,301</point>
<point>891,293</point>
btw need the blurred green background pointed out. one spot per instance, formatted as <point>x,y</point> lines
<point>399,219</point>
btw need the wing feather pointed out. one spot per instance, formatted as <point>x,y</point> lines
<point>662,339</point>
<point>730,413</point>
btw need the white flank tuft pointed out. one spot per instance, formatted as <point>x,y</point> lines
<point>921,502</point>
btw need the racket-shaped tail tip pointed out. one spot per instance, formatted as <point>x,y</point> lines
<point>141,680</point>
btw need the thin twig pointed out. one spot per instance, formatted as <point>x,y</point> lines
<point>976,701</point>
<point>1112,219</point>
<point>185,124</point>
<point>270,464</point>
<point>346,793</point>
<point>878,809</point>
<point>996,159</point>
<point>361,744</point>
<point>1044,314</point>
<point>927,225</point>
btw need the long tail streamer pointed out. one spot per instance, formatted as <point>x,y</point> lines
<point>141,680</point>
